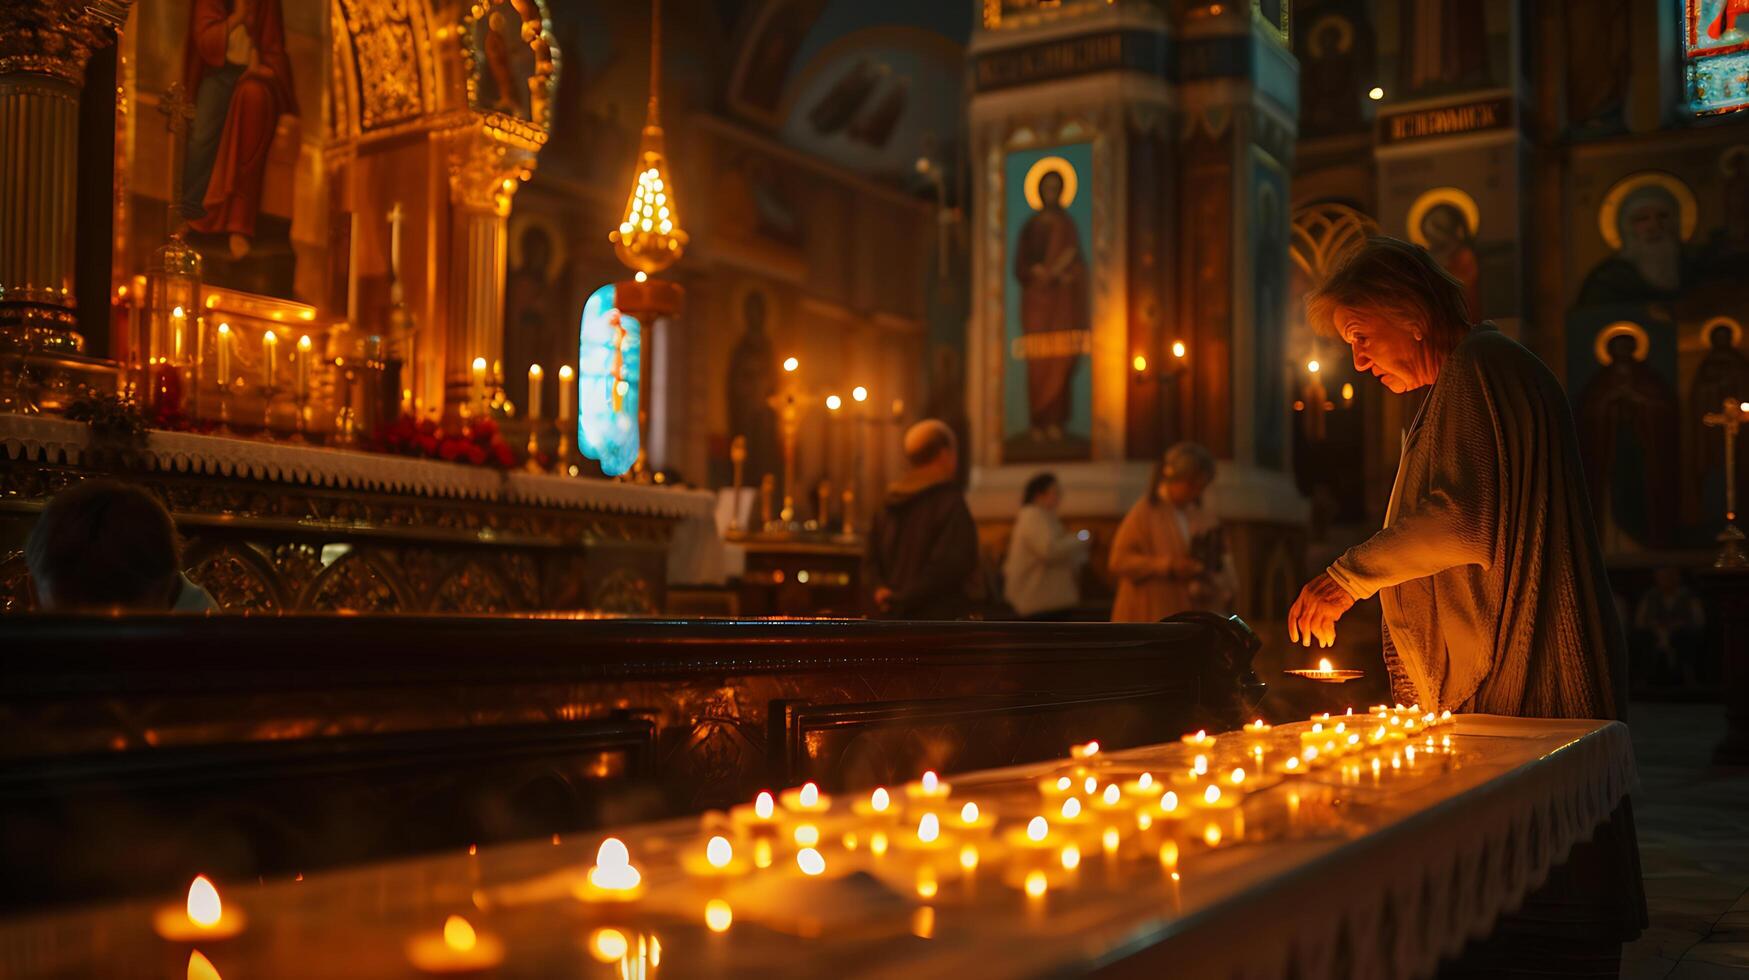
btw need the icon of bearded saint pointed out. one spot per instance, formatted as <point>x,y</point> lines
<point>1649,266</point>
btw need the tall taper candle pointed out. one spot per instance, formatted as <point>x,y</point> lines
<point>224,357</point>
<point>303,378</point>
<point>535,377</point>
<point>478,394</point>
<point>567,392</point>
<point>270,359</point>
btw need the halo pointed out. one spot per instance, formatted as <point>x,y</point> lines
<point>1607,215</point>
<point>1621,328</point>
<point>1344,34</point>
<point>1706,331</point>
<point>1435,197</point>
<point>1050,165</point>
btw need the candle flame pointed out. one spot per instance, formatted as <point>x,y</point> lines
<point>877,843</point>
<point>968,857</point>
<point>1064,782</point>
<point>201,968</point>
<point>1325,665</point>
<point>1293,762</point>
<point>1143,821</point>
<point>763,805</point>
<point>931,782</point>
<point>807,835</point>
<point>480,365</point>
<point>1169,802</point>
<point>719,852</point>
<point>718,915</point>
<point>1071,857</point>
<point>1111,794</point>
<point>929,828</point>
<point>224,330</point>
<point>204,907</point>
<point>1091,785</point>
<point>969,813</point>
<point>809,796</point>
<point>458,935</point>
<point>1202,765</point>
<point>608,945</point>
<point>1146,780</point>
<point>1036,829</point>
<point>762,853</point>
<point>613,869</point>
<point>1110,839</point>
<point>1212,794</point>
<point>1169,854</point>
<point>1211,835</point>
<point>1035,883</point>
<point>1071,808</point>
<point>1178,348</point>
<point>810,861</point>
<point>1238,776</point>
<point>879,800</point>
<point>304,343</point>
<point>926,884</point>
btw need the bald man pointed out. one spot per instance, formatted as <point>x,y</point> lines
<point>923,547</point>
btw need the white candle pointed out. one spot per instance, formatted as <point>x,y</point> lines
<point>479,382</point>
<point>224,371</point>
<point>567,392</point>
<point>203,918</point>
<point>304,366</point>
<point>270,359</point>
<point>458,948</point>
<point>535,376</point>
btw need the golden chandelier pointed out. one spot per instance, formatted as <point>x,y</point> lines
<point>649,237</point>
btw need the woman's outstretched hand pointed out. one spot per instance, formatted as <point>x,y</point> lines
<point>1314,614</point>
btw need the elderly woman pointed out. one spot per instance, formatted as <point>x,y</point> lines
<point>1488,567</point>
<point>1170,555</point>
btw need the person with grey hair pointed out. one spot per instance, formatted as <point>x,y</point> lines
<point>923,545</point>
<point>1170,554</point>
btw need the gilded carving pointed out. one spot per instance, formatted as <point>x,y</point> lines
<point>624,591</point>
<point>387,60</point>
<point>484,170</point>
<point>238,582</point>
<point>471,589</point>
<point>56,37</point>
<point>355,583</point>
<point>511,88</point>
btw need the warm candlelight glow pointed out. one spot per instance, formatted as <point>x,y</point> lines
<point>1212,794</point>
<point>204,907</point>
<point>1071,808</point>
<point>1037,828</point>
<point>1090,785</point>
<point>763,805</point>
<point>969,813</point>
<point>810,795</point>
<point>1145,780</point>
<point>927,886</point>
<point>718,915</point>
<point>613,870</point>
<point>929,828</point>
<point>1086,751</point>
<point>1169,854</point>
<point>810,861</point>
<point>807,835</point>
<point>1313,365</point>
<point>1211,835</point>
<point>1324,664</point>
<point>834,403</point>
<point>1110,839</point>
<point>1238,776</point>
<point>1375,93</point>
<point>457,934</point>
<point>879,800</point>
<point>877,843</point>
<point>1071,857</point>
<point>1112,794</point>
<point>931,782</point>
<point>859,393</point>
<point>608,945</point>
<point>1201,765</point>
<point>1140,363</point>
<point>1178,348</point>
<point>968,857</point>
<point>201,968</point>
<point>1169,802</point>
<point>719,852</point>
<point>1035,883</point>
<point>790,364</point>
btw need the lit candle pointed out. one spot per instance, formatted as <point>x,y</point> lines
<point>270,360</point>
<point>1144,785</point>
<point>1036,836</point>
<point>203,918</point>
<point>612,879</point>
<point>478,393</point>
<point>1169,808</point>
<point>879,805</point>
<point>760,816</point>
<point>457,948</point>
<point>806,799</point>
<point>718,859</point>
<point>1053,787</point>
<point>303,366</point>
<point>972,818</point>
<point>718,915</point>
<point>567,392</point>
<point>1085,751</point>
<point>534,392</point>
<point>930,787</point>
<point>178,330</point>
<point>201,968</point>
<point>1200,740</point>
<point>810,861</point>
<point>1258,727</point>
<point>1111,798</point>
<point>928,836</point>
<point>224,369</point>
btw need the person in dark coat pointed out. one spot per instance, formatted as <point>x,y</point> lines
<point>923,545</point>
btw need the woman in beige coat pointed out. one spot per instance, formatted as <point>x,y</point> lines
<point>1170,555</point>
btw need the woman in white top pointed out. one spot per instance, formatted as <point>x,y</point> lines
<point>1044,560</point>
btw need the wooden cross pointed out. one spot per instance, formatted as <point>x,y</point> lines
<point>1731,418</point>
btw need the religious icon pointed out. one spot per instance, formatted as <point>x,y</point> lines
<point>608,355</point>
<point>1646,218</point>
<point>537,298</point>
<point>236,69</point>
<point>1330,89</point>
<point>1444,221</point>
<point>1628,435</point>
<point>1715,52</point>
<point>752,381</point>
<point>1050,271</point>
<point>503,62</point>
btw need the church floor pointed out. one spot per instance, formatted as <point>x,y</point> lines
<point>1694,845</point>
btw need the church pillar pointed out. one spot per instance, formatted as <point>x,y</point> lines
<point>44,47</point>
<point>483,176</point>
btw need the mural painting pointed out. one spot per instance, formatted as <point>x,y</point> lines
<point>1047,404</point>
<point>1716,54</point>
<point>608,353</point>
<point>1628,437</point>
<point>1445,221</point>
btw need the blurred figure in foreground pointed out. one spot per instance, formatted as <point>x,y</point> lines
<point>105,546</point>
<point>1039,575</point>
<point>923,546</point>
<point>1170,554</point>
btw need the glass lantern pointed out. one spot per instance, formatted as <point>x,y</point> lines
<point>170,330</point>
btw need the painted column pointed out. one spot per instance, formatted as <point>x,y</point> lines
<point>483,177</point>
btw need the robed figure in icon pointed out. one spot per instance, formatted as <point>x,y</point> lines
<point>1053,299</point>
<point>236,69</point>
<point>1628,436</point>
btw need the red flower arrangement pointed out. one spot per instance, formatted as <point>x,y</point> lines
<point>479,443</point>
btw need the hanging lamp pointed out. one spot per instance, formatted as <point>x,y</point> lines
<point>649,237</point>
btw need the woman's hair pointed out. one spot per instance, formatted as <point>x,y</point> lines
<point>1399,282</point>
<point>101,544</point>
<point>1185,460</point>
<point>1036,487</point>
